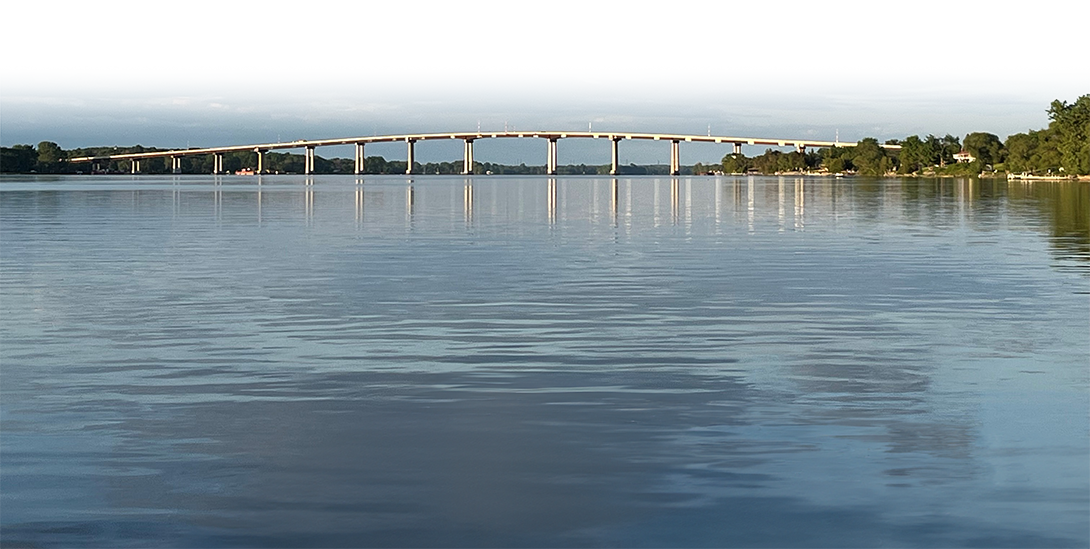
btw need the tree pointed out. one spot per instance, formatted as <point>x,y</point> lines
<point>1046,157</point>
<point>50,153</point>
<point>18,159</point>
<point>916,153</point>
<point>1072,126</point>
<point>735,163</point>
<point>985,147</point>
<point>836,159</point>
<point>1023,151</point>
<point>947,147</point>
<point>775,161</point>
<point>868,157</point>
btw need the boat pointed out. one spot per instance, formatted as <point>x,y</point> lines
<point>1049,177</point>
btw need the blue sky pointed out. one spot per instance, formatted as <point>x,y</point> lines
<point>214,73</point>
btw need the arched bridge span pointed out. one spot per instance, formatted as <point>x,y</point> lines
<point>468,138</point>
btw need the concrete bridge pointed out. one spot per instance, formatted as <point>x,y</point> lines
<point>468,138</point>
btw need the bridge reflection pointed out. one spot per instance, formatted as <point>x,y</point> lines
<point>529,199</point>
<point>720,204</point>
<point>755,203</point>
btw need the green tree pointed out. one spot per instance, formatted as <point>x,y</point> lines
<point>1046,157</point>
<point>868,157</point>
<point>735,163</point>
<point>985,147</point>
<point>915,154</point>
<point>1020,149</point>
<point>1072,126</point>
<point>50,153</point>
<point>18,159</point>
<point>768,162</point>
<point>836,159</point>
<point>947,147</point>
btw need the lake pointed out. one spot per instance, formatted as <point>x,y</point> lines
<point>439,361</point>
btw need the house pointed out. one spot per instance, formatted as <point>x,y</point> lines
<point>963,157</point>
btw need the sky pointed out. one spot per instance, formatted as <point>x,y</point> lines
<point>204,106</point>
<point>229,73</point>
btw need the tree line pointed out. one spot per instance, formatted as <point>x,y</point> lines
<point>1062,147</point>
<point>49,158</point>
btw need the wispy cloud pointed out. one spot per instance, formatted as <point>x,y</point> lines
<point>19,102</point>
<point>795,68</point>
<point>595,75</point>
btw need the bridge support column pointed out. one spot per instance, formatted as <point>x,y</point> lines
<point>409,164</point>
<point>308,161</point>
<point>260,161</point>
<point>175,164</point>
<point>217,163</point>
<point>361,161</point>
<point>675,157</point>
<point>737,148</point>
<point>135,166</point>
<point>614,163</point>
<point>467,158</point>
<point>550,162</point>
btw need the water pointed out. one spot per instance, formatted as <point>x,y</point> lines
<point>757,362</point>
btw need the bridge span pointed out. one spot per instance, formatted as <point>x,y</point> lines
<point>468,138</point>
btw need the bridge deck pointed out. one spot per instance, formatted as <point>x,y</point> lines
<point>300,144</point>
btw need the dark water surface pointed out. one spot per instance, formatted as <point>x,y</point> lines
<point>757,362</point>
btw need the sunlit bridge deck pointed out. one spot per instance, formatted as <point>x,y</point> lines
<point>468,138</point>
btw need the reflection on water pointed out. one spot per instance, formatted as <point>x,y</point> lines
<point>483,361</point>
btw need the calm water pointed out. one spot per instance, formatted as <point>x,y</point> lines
<point>753,362</point>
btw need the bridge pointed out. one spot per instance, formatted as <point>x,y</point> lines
<point>467,157</point>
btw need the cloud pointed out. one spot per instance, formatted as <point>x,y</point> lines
<point>31,101</point>
<point>362,68</point>
<point>595,75</point>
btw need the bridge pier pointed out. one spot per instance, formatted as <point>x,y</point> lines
<point>409,165</point>
<point>737,148</point>
<point>260,161</point>
<point>175,165</point>
<point>550,162</point>
<point>217,163</point>
<point>361,161</point>
<point>467,158</point>
<point>308,160</point>
<point>675,157</point>
<point>614,164</point>
<point>135,166</point>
